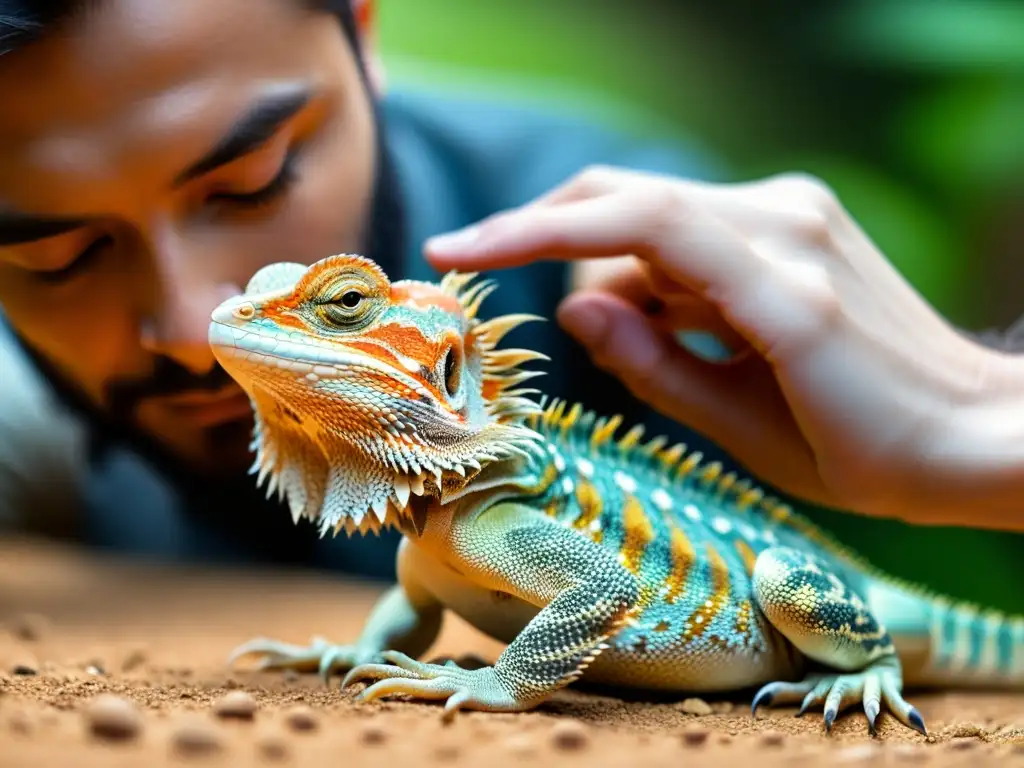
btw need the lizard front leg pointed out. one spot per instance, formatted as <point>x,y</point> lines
<point>406,618</point>
<point>585,596</point>
<point>815,610</point>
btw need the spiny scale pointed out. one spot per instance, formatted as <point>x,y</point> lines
<point>680,466</point>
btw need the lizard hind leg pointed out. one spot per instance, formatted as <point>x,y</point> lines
<point>828,622</point>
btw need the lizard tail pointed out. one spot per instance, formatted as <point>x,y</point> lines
<point>944,642</point>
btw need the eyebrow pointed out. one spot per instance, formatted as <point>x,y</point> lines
<point>252,130</point>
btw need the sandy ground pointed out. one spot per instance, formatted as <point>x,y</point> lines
<point>77,629</point>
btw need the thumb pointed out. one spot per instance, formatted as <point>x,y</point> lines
<point>739,407</point>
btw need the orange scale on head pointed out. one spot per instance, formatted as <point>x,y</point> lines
<point>423,295</point>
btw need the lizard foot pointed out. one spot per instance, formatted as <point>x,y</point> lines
<point>319,656</point>
<point>479,689</point>
<point>879,682</point>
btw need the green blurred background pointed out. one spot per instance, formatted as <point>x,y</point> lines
<point>912,110</point>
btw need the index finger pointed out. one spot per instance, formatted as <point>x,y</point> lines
<point>677,236</point>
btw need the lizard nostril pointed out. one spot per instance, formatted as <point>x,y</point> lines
<point>245,311</point>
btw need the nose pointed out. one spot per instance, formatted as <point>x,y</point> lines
<point>180,329</point>
<point>188,284</point>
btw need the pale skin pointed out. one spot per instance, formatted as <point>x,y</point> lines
<point>846,388</point>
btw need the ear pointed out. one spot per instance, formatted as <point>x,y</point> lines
<point>365,12</point>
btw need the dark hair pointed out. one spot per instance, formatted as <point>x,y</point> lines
<point>23,21</point>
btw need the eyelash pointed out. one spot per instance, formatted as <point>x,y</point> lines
<point>82,261</point>
<point>270,192</point>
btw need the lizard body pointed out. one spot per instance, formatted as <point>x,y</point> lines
<point>587,549</point>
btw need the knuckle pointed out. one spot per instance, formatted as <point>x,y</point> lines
<point>661,207</point>
<point>814,191</point>
<point>814,310</point>
<point>813,287</point>
<point>813,228</point>
<point>595,178</point>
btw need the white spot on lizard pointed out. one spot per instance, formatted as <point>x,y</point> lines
<point>722,525</point>
<point>661,499</point>
<point>626,483</point>
<point>585,467</point>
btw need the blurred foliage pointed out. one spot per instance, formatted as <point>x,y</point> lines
<point>912,110</point>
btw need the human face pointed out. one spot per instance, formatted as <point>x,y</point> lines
<point>153,156</point>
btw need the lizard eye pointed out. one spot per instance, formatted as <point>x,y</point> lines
<point>347,307</point>
<point>452,371</point>
<point>351,299</point>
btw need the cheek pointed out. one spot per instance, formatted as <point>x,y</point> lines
<point>89,334</point>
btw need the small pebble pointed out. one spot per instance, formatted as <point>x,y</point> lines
<point>301,718</point>
<point>772,738</point>
<point>723,707</point>
<point>861,753</point>
<point>962,743</point>
<point>30,627</point>
<point>273,749</point>
<point>195,738</point>
<point>24,669</point>
<point>134,659</point>
<point>908,752</point>
<point>237,705</point>
<point>446,752</point>
<point>695,737</point>
<point>19,723</point>
<point>114,718</point>
<point>291,676</point>
<point>94,669</point>
<point>231,684</point>
<point>697,707</point>
<point>373,733</point>
<point>521,745</point>
<point>569,735</point>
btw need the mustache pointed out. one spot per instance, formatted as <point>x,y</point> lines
<point>168,377</point>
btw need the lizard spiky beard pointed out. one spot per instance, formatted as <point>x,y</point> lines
<point>368,393</point>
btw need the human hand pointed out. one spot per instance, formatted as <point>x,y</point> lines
<point>846,385</point>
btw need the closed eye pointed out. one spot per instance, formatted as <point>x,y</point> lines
<point>79,264</point>
<point>268,193</point>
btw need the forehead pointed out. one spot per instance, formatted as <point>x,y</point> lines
<point>118,83</point>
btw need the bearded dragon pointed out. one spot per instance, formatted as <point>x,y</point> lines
<point>586,549</point>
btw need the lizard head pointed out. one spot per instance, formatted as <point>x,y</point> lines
<point>369,393</point>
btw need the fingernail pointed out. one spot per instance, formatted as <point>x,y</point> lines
<point>588,324</point>
<point>453,242</point>
<point>705,345</point>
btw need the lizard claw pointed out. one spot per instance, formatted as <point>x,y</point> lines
<point>320,656</point>
<point>837,692</point>
<point>462,688</point>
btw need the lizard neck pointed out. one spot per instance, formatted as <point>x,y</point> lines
<point>535,477</point>
<point>538,478</point>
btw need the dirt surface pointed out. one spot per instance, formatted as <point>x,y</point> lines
<point>108,663</point>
